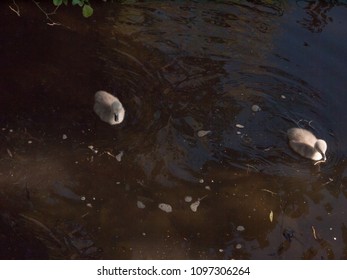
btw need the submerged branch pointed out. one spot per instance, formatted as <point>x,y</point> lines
<point>52,22</point>
<point>16,9</point>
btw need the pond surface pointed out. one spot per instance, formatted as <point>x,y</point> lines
<point>74,187</point>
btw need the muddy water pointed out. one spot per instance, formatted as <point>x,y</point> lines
<point>178,68</point>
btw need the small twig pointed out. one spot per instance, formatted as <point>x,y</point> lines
<point>15,10</point>
<point>266,190</point>
<point>9,153</point>
<point>248,165</point>
<point>314,233</point>
<point>41,225</point>
<point>108,153</point>
<point>328,182</point>
<point>52,22</point>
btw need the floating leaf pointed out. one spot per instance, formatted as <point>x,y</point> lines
<point>57,2</point>
<point>271,216</point>
<point>239,125</point>
<point>188,198</point>
<point>77,2</point>
<point>87,11</point>
<point>165,207</point>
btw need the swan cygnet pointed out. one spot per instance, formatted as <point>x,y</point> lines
<point>108,108</point>
<point>306,144</point>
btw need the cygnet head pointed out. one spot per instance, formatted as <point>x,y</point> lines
<point>321,146</point>
<point>118,111</point>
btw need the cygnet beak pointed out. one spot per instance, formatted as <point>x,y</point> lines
<point>324,157</point>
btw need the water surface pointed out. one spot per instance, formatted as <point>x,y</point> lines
<point>178,68</point>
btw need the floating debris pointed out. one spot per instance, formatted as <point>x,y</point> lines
<point>203,133</point>
<point>240,126</point>
<point>30,142</point>
<point>240,228</point>
<point>238,246</point>
<point>188,198</point>
<point>64,136</point>
<point>238,132</point>
<point>255,108</point>
<point>221,250</point>
<point>9,153</point>
<point>201,181</point>
<point>194,206</point>
<point>89,205</point>
<point>140,204</point>
<point>314,233</point>
<point>83,198</point>
<point>91,147</point>
<point>271,216</point>
<point>207,188</point>
<point>283,96</point>
<point>119,156</point>
<point>165,207</point>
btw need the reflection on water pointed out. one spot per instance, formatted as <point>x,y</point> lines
<point>72,186</point>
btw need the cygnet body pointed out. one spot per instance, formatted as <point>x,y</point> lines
<point>108,108</point>
<point>306,144</point>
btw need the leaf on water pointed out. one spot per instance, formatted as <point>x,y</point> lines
<point>87,11</point>
<point>77,2</point>
<point>271,216</point>
<point>188,198</point>
<point>203,133</point>
<point>57,2</point>
<point>165,207</point>
<point>194,206</point>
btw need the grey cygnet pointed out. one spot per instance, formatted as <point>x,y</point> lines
<point>108,108</point>
<point>306,144</point>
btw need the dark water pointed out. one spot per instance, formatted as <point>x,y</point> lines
<point>179,68</point>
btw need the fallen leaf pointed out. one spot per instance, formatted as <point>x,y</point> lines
<point>271,216</point>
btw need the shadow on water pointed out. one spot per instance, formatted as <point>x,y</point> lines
<point>73,187</point>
